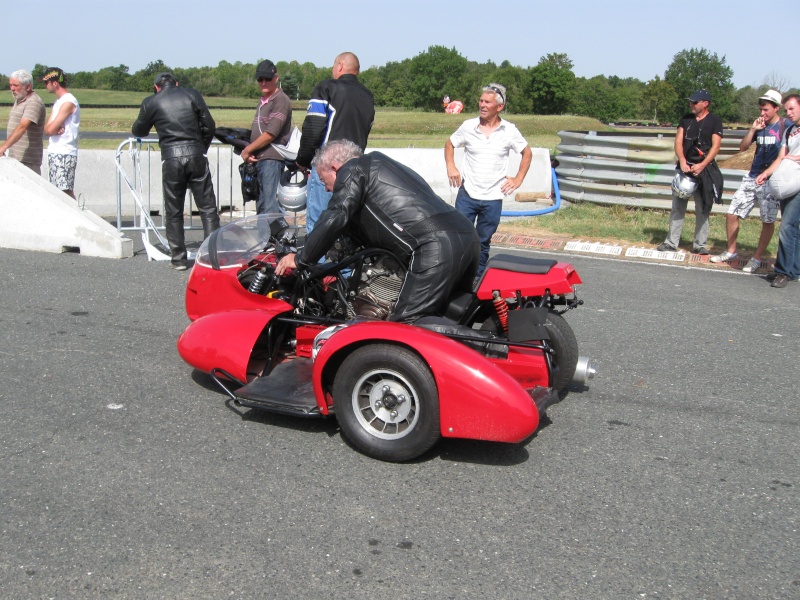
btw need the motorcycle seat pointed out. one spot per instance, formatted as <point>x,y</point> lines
<point>520,264</point>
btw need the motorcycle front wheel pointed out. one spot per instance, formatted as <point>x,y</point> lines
<point>386,402</point>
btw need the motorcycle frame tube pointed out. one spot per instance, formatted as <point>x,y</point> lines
<point>560,279</point>
<point>226,340</point>
<point>477,398</point>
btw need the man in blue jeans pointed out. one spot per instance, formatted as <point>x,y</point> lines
<point>487,141</point>
<point>787,262</point>
<point>271,124</point>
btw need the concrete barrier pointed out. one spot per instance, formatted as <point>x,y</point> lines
<point>39,216</point>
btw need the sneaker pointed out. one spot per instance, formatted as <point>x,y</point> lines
<point>179,266</point>
<point>752,265</point>
<point>724,257</point>
<point>665,247</point>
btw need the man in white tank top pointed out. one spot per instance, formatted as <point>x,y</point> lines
<point>62,127</point>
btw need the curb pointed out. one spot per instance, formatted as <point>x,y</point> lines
<point>643,253</point>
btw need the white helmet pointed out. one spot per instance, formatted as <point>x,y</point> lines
<point>292,190</point>
<point>684,186</point>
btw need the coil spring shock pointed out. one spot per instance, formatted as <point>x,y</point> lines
<point>258,281</point>
<point>501,307</point>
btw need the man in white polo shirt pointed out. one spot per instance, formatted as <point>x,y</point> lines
<point>487,141</point>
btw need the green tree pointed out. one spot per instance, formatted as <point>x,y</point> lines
<point>698,69</point>
<point>113,78</point>
<point>552,84</point>
<point>437,72</point>
<point>658,99</point>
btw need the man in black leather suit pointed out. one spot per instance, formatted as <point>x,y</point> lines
<point>185,130</point>
<point>382,203</point>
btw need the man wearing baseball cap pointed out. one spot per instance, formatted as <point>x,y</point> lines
<point>767,131</point>
<point>697,143</point>
<point>62,127</point>
<point>272,123</point>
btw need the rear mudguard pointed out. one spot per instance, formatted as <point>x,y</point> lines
<point>560,279</point>
<point>477,399</point>
<point>226,340</point>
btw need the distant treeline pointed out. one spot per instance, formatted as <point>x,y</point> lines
<point>421,83</point>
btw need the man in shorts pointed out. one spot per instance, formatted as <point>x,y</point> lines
<point>767,131</point>
<point>62,127</point>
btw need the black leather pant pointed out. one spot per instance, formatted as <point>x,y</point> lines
<point>446,263</point>
<point>179,174</point>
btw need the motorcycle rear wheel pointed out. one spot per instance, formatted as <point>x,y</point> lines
<point>386,402</point>
<point>564,343</point>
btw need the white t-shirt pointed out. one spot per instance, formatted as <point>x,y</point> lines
<point>67,142</point>
<point>485,165</point>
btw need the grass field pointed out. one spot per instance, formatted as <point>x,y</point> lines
<point>393,128</point>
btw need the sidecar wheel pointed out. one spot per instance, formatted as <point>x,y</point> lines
<point>386,402</point>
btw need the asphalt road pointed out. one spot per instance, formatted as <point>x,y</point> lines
<point>673,474</point>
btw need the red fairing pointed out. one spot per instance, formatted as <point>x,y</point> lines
<point>226,340</point>
<point>477,399</point>
<point>559,280</point>
<point>209,291</point>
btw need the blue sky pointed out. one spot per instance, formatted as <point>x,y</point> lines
<point>624,38</point>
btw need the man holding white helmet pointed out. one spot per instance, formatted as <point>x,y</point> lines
<point>766,131</point>
<point>697,143</point>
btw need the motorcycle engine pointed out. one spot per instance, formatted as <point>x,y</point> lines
<point>379,289</point>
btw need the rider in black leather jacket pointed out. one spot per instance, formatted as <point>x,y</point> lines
<point>185,130</point>
<point>382,203</point>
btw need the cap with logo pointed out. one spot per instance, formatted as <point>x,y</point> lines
<point>266,70</point>
<point>54,74</point>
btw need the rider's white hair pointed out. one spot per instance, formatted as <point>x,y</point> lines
<point>338,151</point>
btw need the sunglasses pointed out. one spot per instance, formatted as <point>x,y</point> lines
<point>498,92</point>
<point>263,79</point>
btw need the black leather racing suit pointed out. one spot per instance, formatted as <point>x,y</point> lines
<point>185,130</point>
<point>384,204</point>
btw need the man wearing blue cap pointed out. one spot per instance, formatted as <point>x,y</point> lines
<point>697,143</point>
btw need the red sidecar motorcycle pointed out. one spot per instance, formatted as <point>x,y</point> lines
<point>316,343</point>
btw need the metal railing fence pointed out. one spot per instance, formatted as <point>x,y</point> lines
<point>138,169</point>
<point>630,169</point>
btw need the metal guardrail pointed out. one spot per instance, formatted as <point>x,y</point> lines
<point>136,161</point>
<point>634,169</point>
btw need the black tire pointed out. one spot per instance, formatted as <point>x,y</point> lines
<point>563,340</point>
<point>386,402</point>
<point>564,343</point>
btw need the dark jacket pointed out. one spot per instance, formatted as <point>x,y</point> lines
<point>181,119</point>
<point>339,109</point>
<point>382,203</point>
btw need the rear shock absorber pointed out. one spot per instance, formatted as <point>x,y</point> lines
<point>501,306</point>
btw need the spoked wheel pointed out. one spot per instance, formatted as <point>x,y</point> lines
<point>386,402</point>
<point>563,341</point>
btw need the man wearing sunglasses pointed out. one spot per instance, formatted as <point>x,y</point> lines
<point>488,141</point>
<point>697,143</point>
<point>272,124</point>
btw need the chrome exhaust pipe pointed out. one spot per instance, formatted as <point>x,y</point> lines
<point>584,370</point>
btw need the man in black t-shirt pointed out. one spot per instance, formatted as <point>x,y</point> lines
<point>697,143</point>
